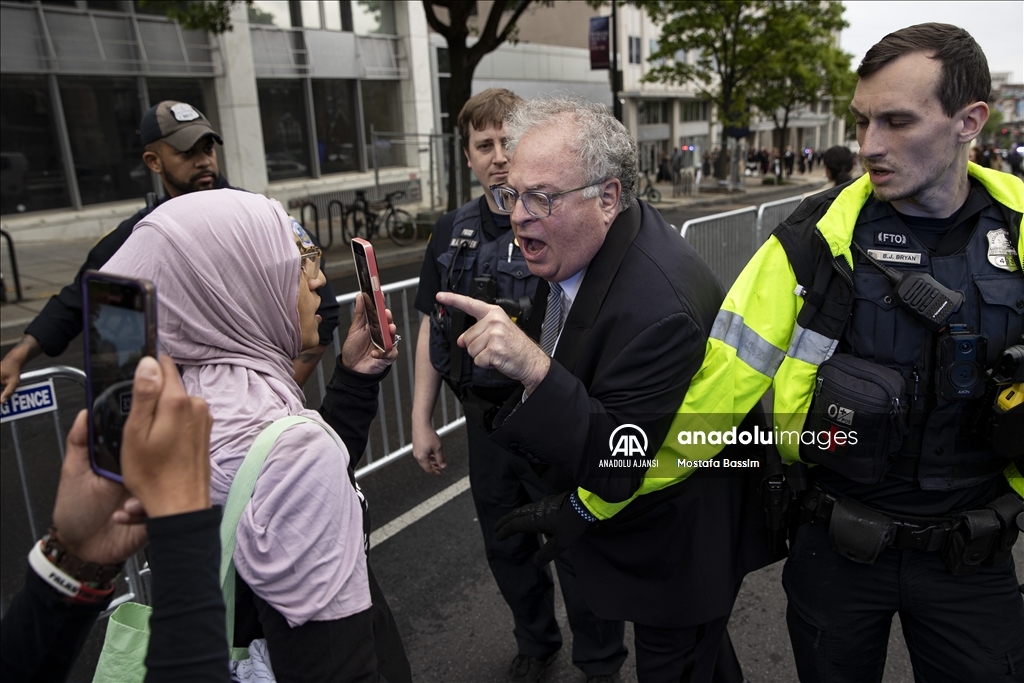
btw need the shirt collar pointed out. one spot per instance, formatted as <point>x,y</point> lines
<point>570,288</point>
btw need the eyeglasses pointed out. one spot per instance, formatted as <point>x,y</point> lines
<point>538,204</point>
<point>310,255</point>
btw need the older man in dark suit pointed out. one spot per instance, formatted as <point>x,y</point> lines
<point>629,309</point>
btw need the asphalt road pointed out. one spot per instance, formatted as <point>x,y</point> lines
<point>453,621</point>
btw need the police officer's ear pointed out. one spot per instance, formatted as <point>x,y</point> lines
<point>970,120</point>
<point>152,159</point>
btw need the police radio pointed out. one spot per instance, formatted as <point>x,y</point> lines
<point>919,293</point>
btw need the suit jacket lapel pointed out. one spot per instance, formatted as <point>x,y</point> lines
<point>596,283</point>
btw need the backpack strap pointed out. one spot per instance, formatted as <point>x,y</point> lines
<point>238,497</point>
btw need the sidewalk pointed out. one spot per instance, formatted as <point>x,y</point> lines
<point>45,267</point>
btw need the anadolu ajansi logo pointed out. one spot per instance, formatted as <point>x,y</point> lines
<point>628,440</point>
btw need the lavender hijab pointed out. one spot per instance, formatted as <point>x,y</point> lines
<point>226,269</point>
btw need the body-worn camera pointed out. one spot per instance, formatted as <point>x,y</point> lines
<point>961,364</point>
<point>485,288</point>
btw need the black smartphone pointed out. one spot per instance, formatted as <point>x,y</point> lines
<point>369,287</point>
<point>119,317</point>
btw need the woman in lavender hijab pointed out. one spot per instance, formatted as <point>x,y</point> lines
<point>236,283</point>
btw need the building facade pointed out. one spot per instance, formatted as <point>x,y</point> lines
<point>552,54</point>
<point>310,97</point>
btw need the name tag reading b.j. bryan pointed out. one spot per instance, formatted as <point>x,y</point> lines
<point>896,256</point>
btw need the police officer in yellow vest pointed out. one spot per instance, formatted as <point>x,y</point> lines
<point>886,315</point>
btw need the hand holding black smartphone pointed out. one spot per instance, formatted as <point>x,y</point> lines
<point>369,288</point>
<point>120,328</point>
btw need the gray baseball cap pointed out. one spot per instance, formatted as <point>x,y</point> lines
<point>178,124</point>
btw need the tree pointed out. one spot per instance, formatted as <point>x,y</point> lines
<point>213,17</point>
<point>724,38</point>
<point>992,128</point>
<point>464,60</point>
<point>802,63</point>
<point>726,47</point>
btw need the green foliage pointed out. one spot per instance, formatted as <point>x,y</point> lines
<point>749,53</point>
<point>497,28</point>
<point>802,63</point>
<point>990,132</point>
<point>213,17</point>
<point>258,16</point>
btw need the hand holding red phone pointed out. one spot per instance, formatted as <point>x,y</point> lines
<point>359,353</point>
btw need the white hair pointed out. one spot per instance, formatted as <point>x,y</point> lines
<point>603,147</point>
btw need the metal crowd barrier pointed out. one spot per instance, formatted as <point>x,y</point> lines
<point>728,240</point>
<point>770,214</point>
<point>725,240</point>
<point>390,438</point>
<point>394,408</point>
<point>38,474</point>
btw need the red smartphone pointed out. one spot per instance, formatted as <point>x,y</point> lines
<point>369,288</point>
<point>119,316</point>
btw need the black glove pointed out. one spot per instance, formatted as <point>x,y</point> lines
<point>554,516</point>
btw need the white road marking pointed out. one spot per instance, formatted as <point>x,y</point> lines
<point>419,512</point>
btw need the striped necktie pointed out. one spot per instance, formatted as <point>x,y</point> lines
<point>552,319</point>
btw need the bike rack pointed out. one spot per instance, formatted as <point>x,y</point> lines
<point>14,270</point>
<point>341,223</point>
<point>316,219</point>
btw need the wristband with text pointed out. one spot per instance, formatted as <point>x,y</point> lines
<point>68,586</point>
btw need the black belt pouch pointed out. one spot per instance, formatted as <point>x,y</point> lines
<point>857,533</point>
<point>855,418</point>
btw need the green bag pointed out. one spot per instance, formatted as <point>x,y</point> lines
<point>123,657</point>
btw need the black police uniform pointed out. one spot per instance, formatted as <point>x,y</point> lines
<point>840,610</point>
<point>500,481</point>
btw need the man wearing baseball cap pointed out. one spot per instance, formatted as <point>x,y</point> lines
<point>178,143</point>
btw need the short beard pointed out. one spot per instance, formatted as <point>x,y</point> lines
<point>186,188</point>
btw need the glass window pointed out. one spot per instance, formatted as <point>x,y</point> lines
<point>634,50</point>
<point>310,14</point>
<point>181,89</point>
<point>337,133</point>
<point>373,16</point>
<point>31,173</point>
<point>332,15</point>
<point>270,13</point>
<point>102,116</point>
<point>382,109</point>
<point>106,5</point>
<point>154,8</point>
<point>693,111</point>
<point>652,111</point>
<point>285,137</point>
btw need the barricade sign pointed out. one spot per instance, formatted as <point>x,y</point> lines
<point>34,399</point>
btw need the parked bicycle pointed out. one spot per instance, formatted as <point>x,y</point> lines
<point>361,220</point>
<point>650,193</point>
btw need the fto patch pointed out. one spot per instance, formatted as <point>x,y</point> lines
<point>890,239</point>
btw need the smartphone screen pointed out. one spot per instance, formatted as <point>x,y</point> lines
<point>369,288</point>
<point>120,328</point>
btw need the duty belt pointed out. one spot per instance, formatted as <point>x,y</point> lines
<point>928,534</point>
